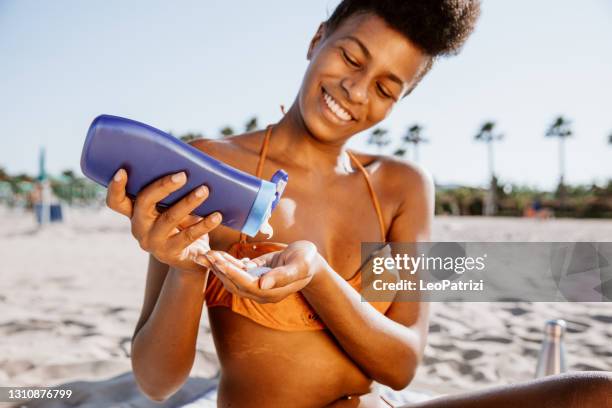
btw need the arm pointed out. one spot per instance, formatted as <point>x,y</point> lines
<point>387,348</point>
<point>163,345</point>
<point>164,341</point>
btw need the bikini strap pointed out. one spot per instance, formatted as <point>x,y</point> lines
<point>262,157</point>
<point>381,221</point>
<point>263,151</point>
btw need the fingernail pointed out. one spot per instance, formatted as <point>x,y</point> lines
<point>178,177</point>
<point>216,217</point>
<point>118,175</point>
<point>250,264</point>
<point>201,191</point>
<point>267,283</point>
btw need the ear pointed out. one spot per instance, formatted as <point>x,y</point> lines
<point>316,40</point>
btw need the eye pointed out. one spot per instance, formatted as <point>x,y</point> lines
<point>349,59</point>
<point>384,92</point>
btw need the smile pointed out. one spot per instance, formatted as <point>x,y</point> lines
<point>335,108</point>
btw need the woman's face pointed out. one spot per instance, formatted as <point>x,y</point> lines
<point>355,76</point>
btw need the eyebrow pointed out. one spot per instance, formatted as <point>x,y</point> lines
<point>365,50</point>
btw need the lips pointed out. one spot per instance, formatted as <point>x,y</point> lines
<point>339,112</point>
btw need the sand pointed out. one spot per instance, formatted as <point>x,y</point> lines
<point>70,296</point>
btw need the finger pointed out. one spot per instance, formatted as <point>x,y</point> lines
<point>277,294</point>
<point>234,289</point>
<point>116,197</point>
<point>281,276</point>
<point>169,220</point>
<point>227,283</point>
<point>242,279</point>
<point>189,235</point>
<point>237,262</point>
<point>189,220</point>
<point>203,260</point>
<point>285,291</point>
<point>156,191</point>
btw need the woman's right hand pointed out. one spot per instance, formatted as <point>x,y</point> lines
<point>174,237</point>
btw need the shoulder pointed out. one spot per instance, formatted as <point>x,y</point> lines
<point>413,188</point>
<point>395,177</point>
<point>228,146</point>
<point>405,178</point>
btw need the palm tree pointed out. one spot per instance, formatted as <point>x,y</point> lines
<point>486,135</point>
<point>379,138</point>
<point>560,128</point>
<point>227,131</point>
<point>414,136</point>
<point>188,137</point>
<point>251,124</point>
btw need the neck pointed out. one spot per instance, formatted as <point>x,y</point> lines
<point>293,142</point>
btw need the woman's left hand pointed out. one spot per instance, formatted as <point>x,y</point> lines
<point>292,269</point>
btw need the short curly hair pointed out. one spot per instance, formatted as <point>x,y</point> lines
<point>437,27</point>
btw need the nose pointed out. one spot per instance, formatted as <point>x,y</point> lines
<point>356,88</point>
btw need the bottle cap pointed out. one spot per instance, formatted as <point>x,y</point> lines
<point>259,209</point>
<point>555,327</point>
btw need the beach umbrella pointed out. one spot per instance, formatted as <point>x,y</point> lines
<point>42,172</point>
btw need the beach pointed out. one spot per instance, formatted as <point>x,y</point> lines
<point>71,294</point>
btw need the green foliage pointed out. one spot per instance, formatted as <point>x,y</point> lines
<point>379,138</point>
<point>227,131</point>
<point>251,124</point>
<point>559,128</point>
<point>414,137</point>
<point>189,137</point>
<point>582,201</point>
<point>486,134</point>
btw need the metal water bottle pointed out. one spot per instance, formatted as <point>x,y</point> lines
<point>552,353</point>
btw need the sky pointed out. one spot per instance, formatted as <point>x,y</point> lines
<point>197,66</point>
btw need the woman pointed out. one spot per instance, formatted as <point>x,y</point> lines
<point>300,336</point>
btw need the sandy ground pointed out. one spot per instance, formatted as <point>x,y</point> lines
<point>70,296</point>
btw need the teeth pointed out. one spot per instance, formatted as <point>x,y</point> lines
<point>334,107</point>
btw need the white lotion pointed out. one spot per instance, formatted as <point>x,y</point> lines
<point>258,271</point>
<point>266,228</point>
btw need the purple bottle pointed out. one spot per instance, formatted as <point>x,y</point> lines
<point>147,154</point>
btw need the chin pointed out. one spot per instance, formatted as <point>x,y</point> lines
<point>319,125</point>
<point>321,132</point>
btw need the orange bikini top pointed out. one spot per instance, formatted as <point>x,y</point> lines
<point>292,313</point>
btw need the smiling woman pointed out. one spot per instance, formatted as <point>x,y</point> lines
<point>299,335</point>
<point>358,71</point>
